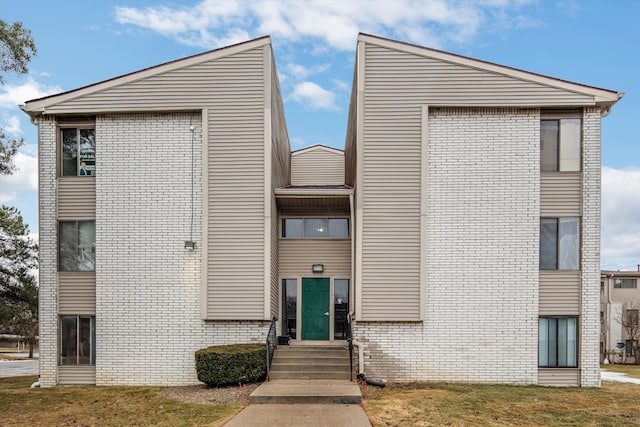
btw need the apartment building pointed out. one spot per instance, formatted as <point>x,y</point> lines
<point>460,226</point>
<point>619,305</point>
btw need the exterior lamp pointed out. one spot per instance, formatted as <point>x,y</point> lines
<point>189,244</point>
<point>317,268</point>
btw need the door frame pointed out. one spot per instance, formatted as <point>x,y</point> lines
<point>299,279</point>
<point>324,281</point>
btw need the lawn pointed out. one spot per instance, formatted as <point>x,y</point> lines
<point>103,406</point>
<point>438,404</point>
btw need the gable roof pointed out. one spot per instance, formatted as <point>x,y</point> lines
<point>317,147</point>
<point>39,106</point>
<point>599,96</point>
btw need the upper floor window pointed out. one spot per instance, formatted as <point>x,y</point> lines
<point>315,228</point>
<point>625,283</point>
<point>559,243</point>
<point>77,246</point>
<point>78,152</point>
<point>560,145</point>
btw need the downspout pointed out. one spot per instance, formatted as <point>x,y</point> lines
<point>607,328</point>
<point>361,375</point>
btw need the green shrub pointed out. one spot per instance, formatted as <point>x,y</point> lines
<point>231,364</point>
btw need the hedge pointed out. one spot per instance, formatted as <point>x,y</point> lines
<point>224,365</point>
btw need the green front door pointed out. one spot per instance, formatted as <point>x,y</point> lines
<point>315,309</point>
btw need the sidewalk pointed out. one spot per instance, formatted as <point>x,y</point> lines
<point>308,415</point>
<point>617,377</point>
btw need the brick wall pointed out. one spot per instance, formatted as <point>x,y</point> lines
<point>590,298</point>
<point>148,296</point>
<point>482,256</point>
<point>48,302</point>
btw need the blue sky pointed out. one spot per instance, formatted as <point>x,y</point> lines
<point>586,41</point>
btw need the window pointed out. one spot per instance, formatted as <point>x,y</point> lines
<point>340,308</point>
<point>559,243</point>
<point>77,246</point>
<point>315,228</point>
<point>77,340</point>
<point>629,347</point>
<point>289,307</point>
<point>557,342</point>
<point>625,283</point>
<point>78,152</point>
<point>560,145</point>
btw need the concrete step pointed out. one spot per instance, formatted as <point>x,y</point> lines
<point>309,375</point>
<point>311,353</point>
<point>282,358</point>
<point>307,367</point>
<point>285,391</point>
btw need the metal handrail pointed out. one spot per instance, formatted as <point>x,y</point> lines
<point>271,343</point>
<point>350,342</point>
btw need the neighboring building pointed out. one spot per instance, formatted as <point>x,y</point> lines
<point>465,251</point>
<point>619,308</point>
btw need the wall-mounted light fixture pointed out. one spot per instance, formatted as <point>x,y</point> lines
<point>317,268</point>
<point>189,244</point>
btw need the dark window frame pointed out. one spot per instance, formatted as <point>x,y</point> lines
<point>625,283</point>
<point>558,247</point>
<point>76,248</point>
<point>327,226</point>
<point>65,359</point>
<point>554,359</point>
<point>559,143</point>
<point>78,126</point>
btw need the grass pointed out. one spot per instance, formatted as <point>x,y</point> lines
<point>439,404</point>
<point>104,406</point>
<point>632,371</point>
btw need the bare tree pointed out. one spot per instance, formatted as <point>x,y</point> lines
<point>629,319</point>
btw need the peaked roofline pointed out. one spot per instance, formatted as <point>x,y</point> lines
<point>39,105</point>
<point>315,147</point>
<point>601,96</point>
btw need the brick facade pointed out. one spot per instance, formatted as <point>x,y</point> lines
<point>482,256</point>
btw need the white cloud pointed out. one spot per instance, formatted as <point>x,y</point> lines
<point>13,95</point>
<point>314,96</point>
<point>24,179</point>
<point>620,219</point>
<point>297,142</point>
<point>300,72</point>
<point>13,125</point>
<point>212,23</point>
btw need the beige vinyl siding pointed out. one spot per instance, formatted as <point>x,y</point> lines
<point>559,293</point>
<point>76,198</point>
<point>213,83</point>
<point>76,375</point>
<point>420,79</point>
<point>76,292</point>
<point>559,377</point>
<point>560,194</point>
<point>317,166</point>
<point>235,183</point>
<point>391,182</point>
<point>297,255</point>
<point>280,177</point>
<point>350,145</point>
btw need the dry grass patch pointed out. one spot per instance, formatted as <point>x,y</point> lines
<point>102,406</point>
<point>438,404</point>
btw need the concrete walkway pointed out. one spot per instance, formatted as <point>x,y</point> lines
<point>308,415</point>
<point>312,403</point>
<point>18,368</point>
<point>617,377</point>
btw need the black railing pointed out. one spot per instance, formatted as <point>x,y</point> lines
<point>272,343</point>
<point>350,342</point>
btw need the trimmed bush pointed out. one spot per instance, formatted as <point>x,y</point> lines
<point>224,365</point>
